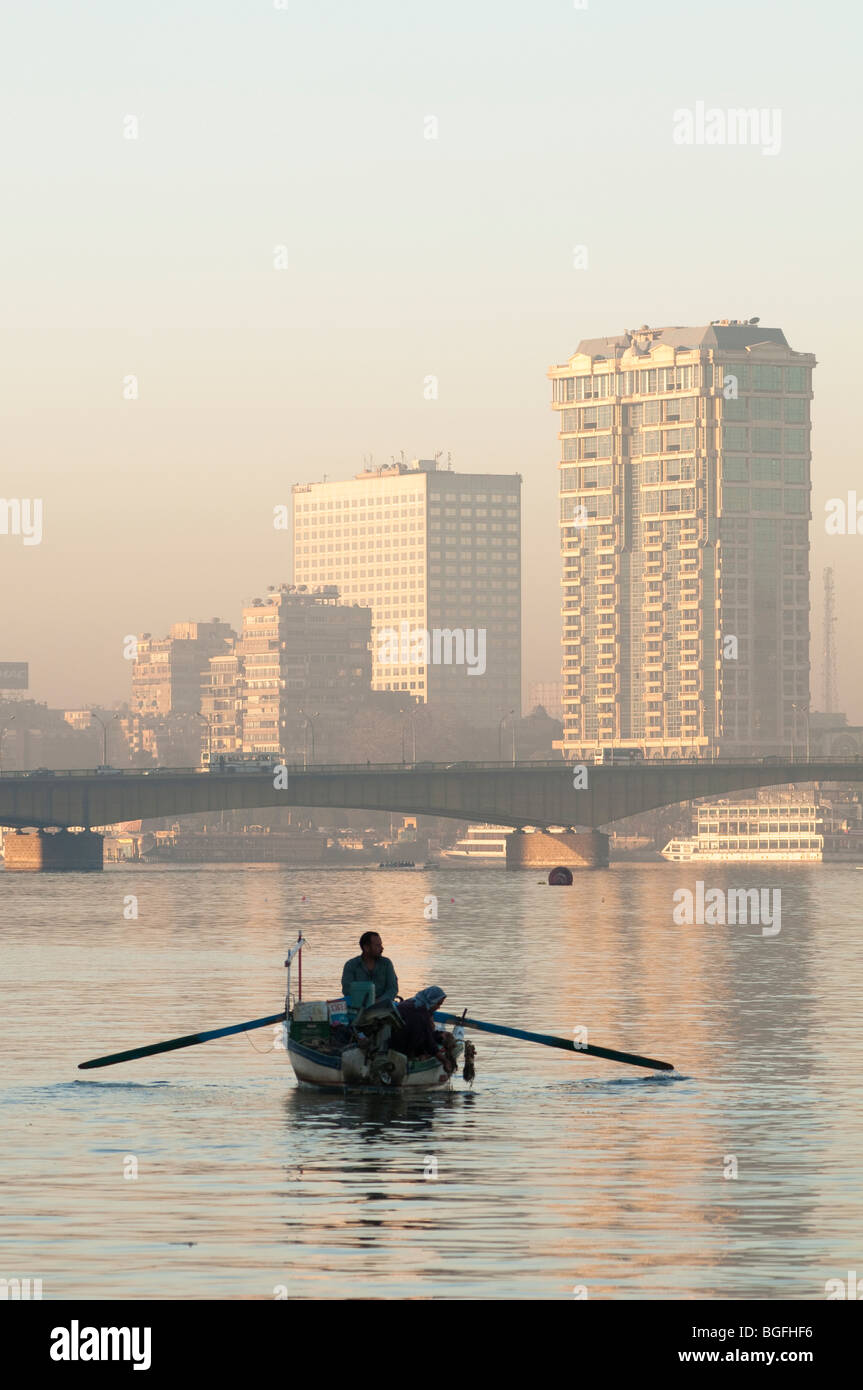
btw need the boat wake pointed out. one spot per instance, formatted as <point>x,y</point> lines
<point>659,1078</point>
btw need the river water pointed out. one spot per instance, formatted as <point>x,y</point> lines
<point>555,1176</point>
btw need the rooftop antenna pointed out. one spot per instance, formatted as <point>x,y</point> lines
<point>831,684</point>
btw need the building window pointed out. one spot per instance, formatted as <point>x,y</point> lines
<point>795,441</point>
<point>766,499</point>
<point>796,500</point>
<point>765,378</point>
<point>766,408</point>
<point>796,379</point>
<point>768,441</point>
<point>735,499</point>
<point>735,438</point>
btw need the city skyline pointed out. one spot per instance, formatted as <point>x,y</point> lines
<point>159,507</point>
<point>43,692</point>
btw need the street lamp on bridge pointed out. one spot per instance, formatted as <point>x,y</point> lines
<point>802,708</point>
<point>411,715</point>
<point>100,720</point>
<point>503,720</point>
<point>3,728</point>
<point>207,747</point>
<point>311,728</point>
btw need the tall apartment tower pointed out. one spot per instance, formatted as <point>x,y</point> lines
<point>428,550</point>
<point>168,671</point>
<point>684,514</point>
<point>222,692</point>
<point>306,667</point>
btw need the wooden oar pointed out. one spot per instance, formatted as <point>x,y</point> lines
<point>191,1040</point>
<point>632,1059</point>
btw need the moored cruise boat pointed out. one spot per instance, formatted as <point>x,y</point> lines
<point>483,844</point>
<point>792,832</point>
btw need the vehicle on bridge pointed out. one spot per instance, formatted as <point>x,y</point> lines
<point>165,770</point>
<point>618,757</point>
<point>241,762</point>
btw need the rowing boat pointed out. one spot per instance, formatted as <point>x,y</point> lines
<point>327,1053</point>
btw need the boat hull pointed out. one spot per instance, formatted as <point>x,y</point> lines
<point>323,1071</point>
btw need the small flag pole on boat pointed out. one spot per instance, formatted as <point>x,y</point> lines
<point>631,1059</point>
<point>294,951</point>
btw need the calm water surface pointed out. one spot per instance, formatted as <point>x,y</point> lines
<point>554,1171</point>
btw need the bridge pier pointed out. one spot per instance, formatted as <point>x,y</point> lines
<point>542,850</point>
<point>40,852</point>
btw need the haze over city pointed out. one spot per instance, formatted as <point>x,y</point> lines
<point>408,257</point>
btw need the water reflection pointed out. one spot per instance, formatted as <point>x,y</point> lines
<point>554,1170</point>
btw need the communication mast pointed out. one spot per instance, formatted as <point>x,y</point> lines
<point>831,691</point>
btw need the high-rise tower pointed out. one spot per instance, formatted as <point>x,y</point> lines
<point>684,490</point>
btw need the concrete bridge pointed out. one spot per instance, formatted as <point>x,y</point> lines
<point>520,794</point>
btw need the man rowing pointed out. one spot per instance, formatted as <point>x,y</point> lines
<point>371,967</point>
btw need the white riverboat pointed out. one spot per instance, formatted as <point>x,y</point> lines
<point>786,831</point>
<point>483,844</point>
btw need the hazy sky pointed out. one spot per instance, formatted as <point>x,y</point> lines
<point>304,126</point>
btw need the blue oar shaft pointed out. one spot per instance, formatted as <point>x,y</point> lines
<point>630,1058</point>
<point>190,1040</point>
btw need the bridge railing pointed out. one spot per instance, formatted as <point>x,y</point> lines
<point>527,765</point>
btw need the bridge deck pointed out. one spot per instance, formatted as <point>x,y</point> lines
<point>539,794</point>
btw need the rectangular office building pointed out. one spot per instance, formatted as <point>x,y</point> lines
<point>436,555</point>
